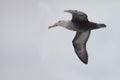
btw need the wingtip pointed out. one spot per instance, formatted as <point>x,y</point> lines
<point>85,61</point>
<point>65,10</point>
<point>68,10</point>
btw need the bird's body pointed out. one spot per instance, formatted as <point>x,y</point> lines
<point>80,27</point>
<point>83,27</point>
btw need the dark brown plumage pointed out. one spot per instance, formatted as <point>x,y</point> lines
<point>83,27</point>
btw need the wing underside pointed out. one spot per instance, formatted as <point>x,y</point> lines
<point>79,43</point>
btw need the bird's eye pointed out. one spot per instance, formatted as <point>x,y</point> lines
<point>58,21</point>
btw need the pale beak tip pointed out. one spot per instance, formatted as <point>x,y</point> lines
<point>54,25</point>
<point>49,27</point>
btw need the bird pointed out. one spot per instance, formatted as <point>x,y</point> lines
<point>83,27</point>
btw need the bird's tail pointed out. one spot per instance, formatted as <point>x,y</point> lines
<point>101,25</point>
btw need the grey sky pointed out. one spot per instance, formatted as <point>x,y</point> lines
<point>29,51</point>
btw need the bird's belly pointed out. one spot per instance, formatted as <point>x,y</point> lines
<point>78,29</point>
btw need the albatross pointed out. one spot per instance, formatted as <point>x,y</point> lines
<point>83,27</point>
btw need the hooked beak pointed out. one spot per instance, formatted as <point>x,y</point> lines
<point>54,25</point>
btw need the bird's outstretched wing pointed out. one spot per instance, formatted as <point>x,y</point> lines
<point>77,16</point>
<point>79,43</point>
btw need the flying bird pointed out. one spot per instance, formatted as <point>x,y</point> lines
<point>83,27</point>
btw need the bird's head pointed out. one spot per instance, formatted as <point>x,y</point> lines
<point>61,23</point>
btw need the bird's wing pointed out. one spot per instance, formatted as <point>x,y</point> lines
<point>77,16</point>
<point>79,43</point>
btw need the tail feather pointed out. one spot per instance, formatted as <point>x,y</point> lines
<point>101,25</point>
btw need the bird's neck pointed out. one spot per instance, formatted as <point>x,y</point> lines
<point>65,24</point>
<point>69,25</point>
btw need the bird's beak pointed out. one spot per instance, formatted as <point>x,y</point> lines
<point>54,25</point>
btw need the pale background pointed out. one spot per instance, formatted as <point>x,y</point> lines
<point>29,51</point>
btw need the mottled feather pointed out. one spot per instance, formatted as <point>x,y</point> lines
<point>79,43</point>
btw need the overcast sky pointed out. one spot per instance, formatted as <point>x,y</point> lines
<point>29,51</point>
